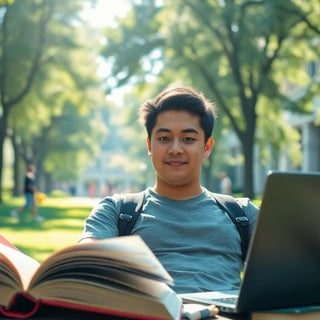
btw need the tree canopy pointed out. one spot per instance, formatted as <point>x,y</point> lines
<point>50,93</point>
<point>240,53</point>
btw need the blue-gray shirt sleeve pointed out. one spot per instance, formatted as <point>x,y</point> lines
<point>103,219</point>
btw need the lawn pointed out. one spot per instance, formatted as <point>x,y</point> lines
<point>62,226</point>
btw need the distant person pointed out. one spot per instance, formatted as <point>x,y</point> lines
<point>225,184</point>
<point>92,189</point>
<point>73,190</point>
<point>107,190</point>
<point>29,191</point>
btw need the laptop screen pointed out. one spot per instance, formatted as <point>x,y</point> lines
<point>283,268</point>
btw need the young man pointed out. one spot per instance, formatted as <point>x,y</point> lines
<point>182,224</point>
<point>29,192</point>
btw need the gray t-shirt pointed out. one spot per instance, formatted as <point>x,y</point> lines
<point>194,239</point>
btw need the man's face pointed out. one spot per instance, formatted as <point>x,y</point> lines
<point>177,148</point>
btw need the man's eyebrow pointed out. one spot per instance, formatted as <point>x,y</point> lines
<point>189,130</point>
<point>163,130</point>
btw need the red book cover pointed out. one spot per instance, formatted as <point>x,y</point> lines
<point>24,306</point>
<point>4,241</point>
<point>119,277</point>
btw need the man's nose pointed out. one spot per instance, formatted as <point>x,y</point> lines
<point>176,147</point>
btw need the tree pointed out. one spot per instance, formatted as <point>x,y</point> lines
<point>238,52</point>
<point>12,94</point>
<point>66,101</point>
<point>40,45</point>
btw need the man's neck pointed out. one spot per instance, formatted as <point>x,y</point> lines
<point>177,192</point>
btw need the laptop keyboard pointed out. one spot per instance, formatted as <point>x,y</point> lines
<point>231,300</point>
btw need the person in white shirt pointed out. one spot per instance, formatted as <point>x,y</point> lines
<point>226,184</point>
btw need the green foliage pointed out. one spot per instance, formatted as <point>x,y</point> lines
<point>129,153</point>
<point>276,136</point>
<point>6,2</point>
<point>49,51</point>
<point>137,37</point>
<point>238,52</point>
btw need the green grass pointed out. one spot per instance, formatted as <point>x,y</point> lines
<point>64,218</point>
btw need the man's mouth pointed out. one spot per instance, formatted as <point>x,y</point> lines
<point>175,163</point>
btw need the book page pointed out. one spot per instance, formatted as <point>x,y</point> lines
<point>160,302</point>
<point>16,268</point>
<point>128,253</point>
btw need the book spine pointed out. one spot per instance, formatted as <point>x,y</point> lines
<point>22,306</point>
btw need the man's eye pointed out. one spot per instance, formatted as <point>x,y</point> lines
<point>163,139</point>
<point>189,139</point>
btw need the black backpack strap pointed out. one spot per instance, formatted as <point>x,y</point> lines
<point>132,203</point>
<point>130,209</point>
<point>232,207</point>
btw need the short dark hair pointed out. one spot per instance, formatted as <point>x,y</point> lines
<point>179,99</point>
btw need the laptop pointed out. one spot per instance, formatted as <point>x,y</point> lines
<point>283,261</point>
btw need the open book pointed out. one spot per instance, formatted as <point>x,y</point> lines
<point>118,276</point>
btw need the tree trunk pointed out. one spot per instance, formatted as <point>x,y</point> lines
<point>48,183</point>
<point>3,131</point>
<point>248,147</point>
<point>17,177</point>
<point>2,135</point>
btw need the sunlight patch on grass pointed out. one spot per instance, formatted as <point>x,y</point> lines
<point>63,224</point>
<point>71,202</point>
<point>68,223</point>
<point>41,245</point>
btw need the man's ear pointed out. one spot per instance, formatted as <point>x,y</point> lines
<point>208,147</point>
<point>148,146</point>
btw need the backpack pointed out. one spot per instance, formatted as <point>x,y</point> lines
<point>132,203</point>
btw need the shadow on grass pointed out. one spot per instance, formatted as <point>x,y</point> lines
<point>59,218</point>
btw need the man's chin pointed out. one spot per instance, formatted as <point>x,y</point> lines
<point>177,182</point>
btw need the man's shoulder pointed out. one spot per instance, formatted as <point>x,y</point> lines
<point>118,200</point>
<point>245,203</point>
